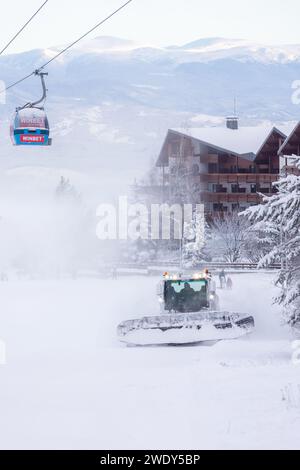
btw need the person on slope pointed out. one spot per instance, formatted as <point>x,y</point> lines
<point>229,283</point>
<point>222,277</point>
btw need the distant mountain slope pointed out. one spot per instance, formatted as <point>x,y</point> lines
<point>111,100</point>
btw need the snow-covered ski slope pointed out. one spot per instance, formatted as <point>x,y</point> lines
<point>68,383</point>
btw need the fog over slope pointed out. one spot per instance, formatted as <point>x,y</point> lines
<point>110,104</point>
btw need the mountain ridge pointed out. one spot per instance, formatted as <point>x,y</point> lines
<point>121,99</point>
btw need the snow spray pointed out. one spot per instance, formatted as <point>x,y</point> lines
<point>296,353</point>
<point>157,222</point>
<point>2,353</point>
<point>2,92</point>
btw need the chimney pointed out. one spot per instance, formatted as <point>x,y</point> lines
<point>232,123</point>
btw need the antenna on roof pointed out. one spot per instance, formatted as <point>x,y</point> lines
<point>232,122</point>
<point>235,106</point>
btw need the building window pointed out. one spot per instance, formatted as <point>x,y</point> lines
<point>195,169</point>
<point>175,148</point>
<point>218,188</point>
<point>212,168</point>
<point>253,188</point>
<point>235,188</point>
<point>218,208</point>
<point>173,170</point>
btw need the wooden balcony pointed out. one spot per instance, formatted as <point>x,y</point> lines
<point>240,178</point>
<point>234,198</point>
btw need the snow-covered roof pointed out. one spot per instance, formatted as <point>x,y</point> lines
<point>245,140</point>
<point>31,118</point>
<point>29,112</point>
<point>290,136</point>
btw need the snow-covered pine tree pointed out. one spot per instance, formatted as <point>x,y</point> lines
<point>277,223</point>
<point>260,239</point>
<point>192,244</point>
<point>66,191</point>
<point>195,240</point>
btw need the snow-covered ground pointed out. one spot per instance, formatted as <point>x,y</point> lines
<point>68,383</point>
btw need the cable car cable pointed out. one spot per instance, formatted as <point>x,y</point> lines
<point>23,27</point>
<point>17,83</point>
<point>86,34</point>
<point>70,46</point>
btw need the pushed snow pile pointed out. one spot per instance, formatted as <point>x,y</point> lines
<point>185,328</point>
<point>183,336</point>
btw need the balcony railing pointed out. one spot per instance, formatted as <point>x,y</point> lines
<point>222,198</point>
<point>254,178</point>
<point>244,171</point>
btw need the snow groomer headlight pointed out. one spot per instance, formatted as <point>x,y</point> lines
<point>198,276</point>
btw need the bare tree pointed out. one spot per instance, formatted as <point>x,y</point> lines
<point>228,237</point>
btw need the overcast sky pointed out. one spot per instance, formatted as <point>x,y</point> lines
<point>157,22</point>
